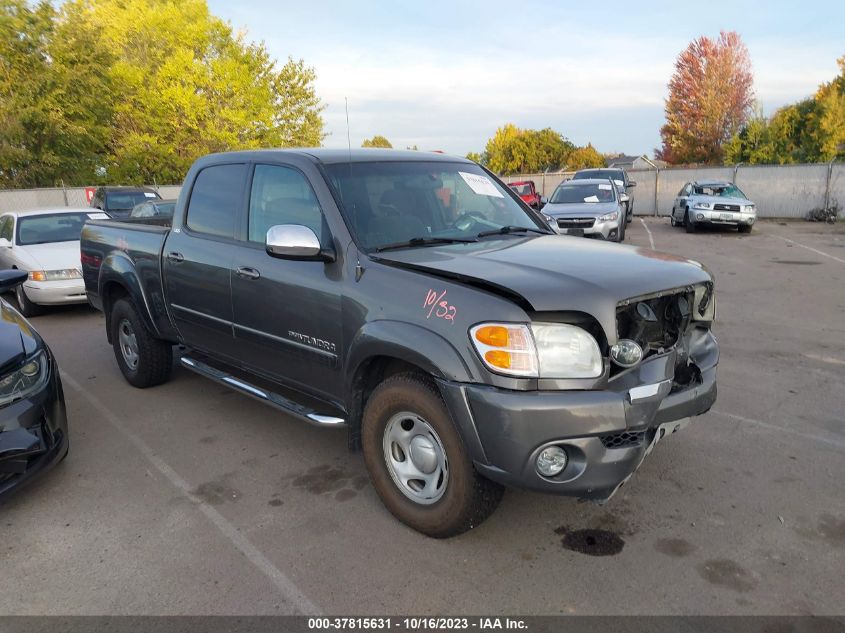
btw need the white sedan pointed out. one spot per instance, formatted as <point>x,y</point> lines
<point>45,243</point>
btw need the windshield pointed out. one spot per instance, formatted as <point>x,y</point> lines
<point>521,190</point>
<point>126,199</point>
<point>612,174</point>
<point>391,202</point>
<point>49,228</point>
<point>572,192</point>
<point>724,190</point>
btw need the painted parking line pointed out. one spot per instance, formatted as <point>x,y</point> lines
<point>650,236</point>
<point>782,429</point>
<point>810,248</point>
<point>297,600</point>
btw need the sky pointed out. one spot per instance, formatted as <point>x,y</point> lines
<point>446,75</point>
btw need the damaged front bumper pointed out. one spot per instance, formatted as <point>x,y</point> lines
<point>33,434</point>
<point>606,434</point>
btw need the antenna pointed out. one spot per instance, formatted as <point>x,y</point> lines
<point>348,138</point>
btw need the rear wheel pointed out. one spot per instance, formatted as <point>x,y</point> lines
<point>417,461</point>
<point>144,360</point>
<point>27,307</point>
<point>689,225</point>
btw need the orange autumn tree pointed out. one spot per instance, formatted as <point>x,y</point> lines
<point>710,98</point>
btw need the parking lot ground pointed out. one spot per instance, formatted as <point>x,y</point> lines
<point>191,499</point>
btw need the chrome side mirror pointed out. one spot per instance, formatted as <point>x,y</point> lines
<point>295,241</point>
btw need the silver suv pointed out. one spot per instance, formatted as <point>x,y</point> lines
<point>713,202</point>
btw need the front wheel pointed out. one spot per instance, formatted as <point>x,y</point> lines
<point>144,360</point>
<point>689,225</point>
<point>417,461</point>
<point>744,228</point>
<point>27,307</point>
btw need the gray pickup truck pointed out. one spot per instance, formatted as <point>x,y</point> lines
<point>415,300</point>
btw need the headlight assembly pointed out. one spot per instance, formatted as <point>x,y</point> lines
<point>749,208</point>
<point>609,217</point>
<point>26,379</point>
<point>55,275</point>
<point>544,350</point>
<point>701,205</point>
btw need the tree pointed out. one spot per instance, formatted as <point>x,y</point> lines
<point>377,141</point>
<point>585,157</point>
<point>812,130</point>
<point>710,98</point>
<point>475,157</point>
<point>138,89</point>
<point>830,116</point>
<point>54,98</point>
<point>512,150</point>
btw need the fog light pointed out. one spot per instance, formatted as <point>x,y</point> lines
<point>551,461</point>
<point>626,353</point>
<point>700,216</point>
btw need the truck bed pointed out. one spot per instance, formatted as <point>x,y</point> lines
<point>132,248</point>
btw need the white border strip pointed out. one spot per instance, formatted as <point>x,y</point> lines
<point>810,248</point>
<point>648,230</point>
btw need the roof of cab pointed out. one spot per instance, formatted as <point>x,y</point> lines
<point>356,155</point>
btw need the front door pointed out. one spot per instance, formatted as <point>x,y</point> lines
<point>287,314</point>
<point>198,261</point>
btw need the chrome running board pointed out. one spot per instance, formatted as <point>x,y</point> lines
<point>267,397</point>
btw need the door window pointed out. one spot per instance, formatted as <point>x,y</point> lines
<point>282,195</point>
<point>215,200</point>
<point>6,226</point>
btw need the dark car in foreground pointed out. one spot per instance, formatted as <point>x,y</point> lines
<point>713,203</point>
<point>118,202</point>
<point>413,299</point>
<point>589,208</point>
<point>33,423</point>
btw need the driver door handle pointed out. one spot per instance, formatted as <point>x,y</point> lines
<point>175,257</point>
<point>247,272</point>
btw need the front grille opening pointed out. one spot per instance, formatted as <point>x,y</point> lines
<point>576,223</point>
<point>625,439</point>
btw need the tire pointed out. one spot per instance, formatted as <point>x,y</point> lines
<point>689,225</point>
<point>744,228</point>
<point>621,236</point>
<point>672,221</point>
<point>458,498</point>
<point>27,307</point>
<point>144,360</point>
<point>629,213</point>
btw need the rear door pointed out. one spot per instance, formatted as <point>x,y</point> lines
<point>287,314</point>
<point>197,260</point>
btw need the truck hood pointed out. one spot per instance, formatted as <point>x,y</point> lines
<point>54,256</point>
<point>556,272</point>
<point>588,209</point>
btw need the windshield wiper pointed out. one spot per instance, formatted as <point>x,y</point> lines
<point>424,241</point>
<point>512,229</point>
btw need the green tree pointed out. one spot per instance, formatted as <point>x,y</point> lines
<point>585,157</point>
<point>830,117</point>
<point>54,98</point>
<point>377,141</point>
<point>475,157</point>
<point>512,150</point>
<point>188,86</point>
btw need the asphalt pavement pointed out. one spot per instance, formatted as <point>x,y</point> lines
<point>191,499</point>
